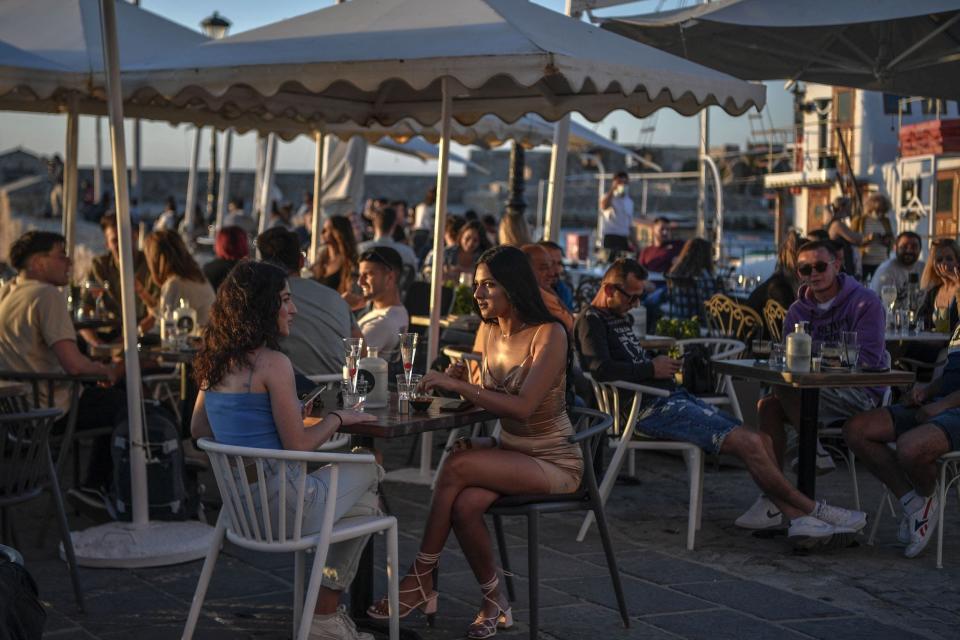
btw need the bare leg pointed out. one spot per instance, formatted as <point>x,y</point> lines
<point>756,451</point>
<point>498,471</point>
<point>474,537</point>
<point>772,413</point>
<point>917,454</point>
<point>867,434</point>
<point>327,601</point>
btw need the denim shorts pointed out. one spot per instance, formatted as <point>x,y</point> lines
<point>905,419</point>
<point>683,416</point>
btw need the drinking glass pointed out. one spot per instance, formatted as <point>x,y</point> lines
<point>888,294</point>
<point>351,399</point>
<point>408,350</point>
<point>831,354</point>
<point>851,348</point>
<point>777,355</point>
<point>761,349</point>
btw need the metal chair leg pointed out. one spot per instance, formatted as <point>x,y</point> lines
<point>65,533</point>
<point>533,564</point>
<point>611,562</point>
<point>204,581</point>
<point>504,556</point>
<point>299,558</point>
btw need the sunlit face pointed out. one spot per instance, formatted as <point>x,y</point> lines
<point>621,297</point>
<point>112,241</point>
<point>326,233</point>
<point>542,267</point>
<point>470,240</point>
<point>491,297</point>
<point>287,311</point>
<point>374,279</point>
<point>556,262</point>
<point>52,267</point>
<point>662,232</point>
<point>818,268</point>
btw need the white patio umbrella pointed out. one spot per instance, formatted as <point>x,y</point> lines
<point>436,61</point>
<point>908,48</point>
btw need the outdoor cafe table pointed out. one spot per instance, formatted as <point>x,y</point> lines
<point>391,424</point>
<point>809,385</point>
<point>923,337</point>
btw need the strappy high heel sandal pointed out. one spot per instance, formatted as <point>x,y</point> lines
<point>486,627</point>
<point>427,602</point>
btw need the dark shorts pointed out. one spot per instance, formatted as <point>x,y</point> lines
<point>905,419</point>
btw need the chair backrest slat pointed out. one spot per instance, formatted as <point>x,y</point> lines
<point>264,503</point>
<point>231,477</point>
<point>301,489</point>
<point>282,509</point>
<point>248,497</point>
<point>23,452</point>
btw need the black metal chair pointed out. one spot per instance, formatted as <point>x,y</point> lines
<point>590,425</point>
<point>27,470</point>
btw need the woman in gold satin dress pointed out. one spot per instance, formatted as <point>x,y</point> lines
<point>523,381</point>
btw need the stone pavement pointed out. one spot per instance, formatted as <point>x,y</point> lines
<point>734,585</point>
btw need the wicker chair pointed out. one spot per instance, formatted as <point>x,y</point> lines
<point>773,314</point>
<point>726,318</point>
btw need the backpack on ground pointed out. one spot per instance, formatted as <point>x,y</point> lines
<point>697,370</point>
<point>172,491</point>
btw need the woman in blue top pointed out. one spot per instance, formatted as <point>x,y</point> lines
<point>248,398</point>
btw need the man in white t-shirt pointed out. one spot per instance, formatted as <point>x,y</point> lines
<point>901,269</point>
<point>616,211</point>
<point>387,318</point>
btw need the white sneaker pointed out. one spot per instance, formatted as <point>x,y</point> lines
<point>845,519</point>
<point>807,531</point>
<point>922,524</point>
<point>338,626</point>
<point>762,515</point>
<point>825,463</point>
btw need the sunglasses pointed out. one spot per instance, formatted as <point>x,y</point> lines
<point>807,269</point>
<point>634,298</point>
<point>375,255</point>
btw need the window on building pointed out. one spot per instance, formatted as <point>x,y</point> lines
<point>931,106</point>
<point>892,103</point>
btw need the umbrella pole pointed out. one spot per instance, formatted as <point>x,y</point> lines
<point>69,195</point>
<point>317,198</point>
<point>98,161</point>
<point>191,202</point>
<point>436,277</point>
<point>266,184</point>
<point>557,180</point>
<point>140,543</point>
<point>702,180</point>
<point>224,179</point>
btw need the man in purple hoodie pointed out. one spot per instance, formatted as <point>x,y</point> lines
<point>831,303</point>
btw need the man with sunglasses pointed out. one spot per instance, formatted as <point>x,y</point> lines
<point>830,302</point>
<point>609,350</point>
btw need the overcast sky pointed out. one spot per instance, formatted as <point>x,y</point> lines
<point>166,146</point>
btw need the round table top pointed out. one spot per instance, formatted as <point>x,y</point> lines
<point>923,336</point>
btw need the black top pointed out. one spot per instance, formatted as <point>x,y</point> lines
<point>929,304</point>
<point>216,271</point>
<point>608,347</point>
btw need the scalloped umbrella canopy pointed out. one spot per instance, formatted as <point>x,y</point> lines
<point>379,61</point>
<point>907,48</point>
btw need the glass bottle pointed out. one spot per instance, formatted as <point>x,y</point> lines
<point>799,346</point>
<point>373,370</point>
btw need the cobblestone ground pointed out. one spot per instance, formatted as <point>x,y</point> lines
<point>734,585</point>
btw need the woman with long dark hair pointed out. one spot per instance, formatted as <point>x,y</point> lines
<point>338,256</point>
<point>177,275</point>
<point>523,380</point>
<point>248,398</point>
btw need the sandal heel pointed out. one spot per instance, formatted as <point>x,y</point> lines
<point>505,621</point>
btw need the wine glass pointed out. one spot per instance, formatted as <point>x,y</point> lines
<point>888,293</point>
<point>408,349</point>
<point>352,348</point>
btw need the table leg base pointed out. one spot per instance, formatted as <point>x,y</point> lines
<point>124,545</point>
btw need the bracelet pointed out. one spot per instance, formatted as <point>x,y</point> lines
<point>479,389</point>
<point>334,413</point>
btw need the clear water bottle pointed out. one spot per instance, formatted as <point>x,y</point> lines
<point>168,333</point>
<point>799,346</point>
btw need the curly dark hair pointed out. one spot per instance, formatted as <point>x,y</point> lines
<point>243,318</point>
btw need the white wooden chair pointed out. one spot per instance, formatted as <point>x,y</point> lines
<point>720,349</point>
<point>246,525</point>
<point>608,398</point>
